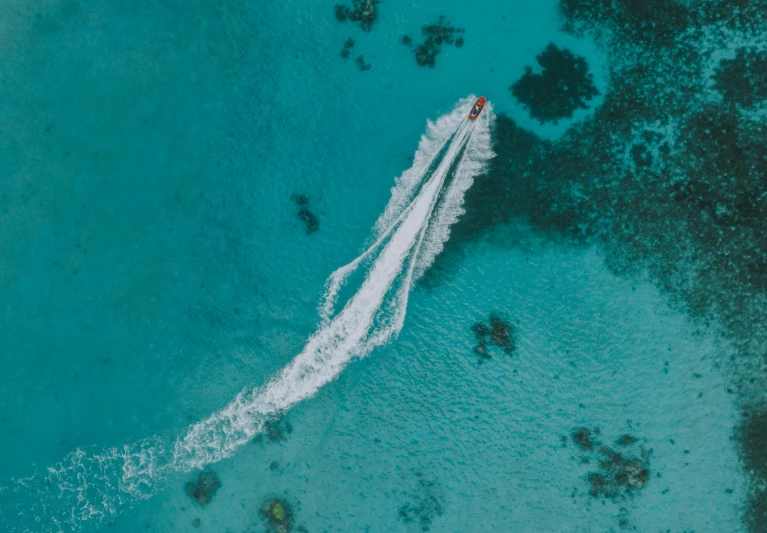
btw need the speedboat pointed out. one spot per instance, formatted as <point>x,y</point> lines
<point>477,109</point>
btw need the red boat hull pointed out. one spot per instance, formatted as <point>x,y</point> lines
<point>477,109</point>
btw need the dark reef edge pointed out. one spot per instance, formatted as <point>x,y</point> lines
<point>668,184</point>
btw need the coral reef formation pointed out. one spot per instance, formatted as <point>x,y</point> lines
<point>563,86</point>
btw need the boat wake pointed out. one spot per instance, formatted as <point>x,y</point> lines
<point>425,201</point>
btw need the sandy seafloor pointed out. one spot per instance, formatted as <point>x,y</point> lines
<point>152,266</point>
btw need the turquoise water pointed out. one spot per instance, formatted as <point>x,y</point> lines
<point>153,267</point>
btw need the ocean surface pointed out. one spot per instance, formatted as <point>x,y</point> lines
<point>179,183</point>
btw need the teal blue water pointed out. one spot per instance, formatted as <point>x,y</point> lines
<point>153,267</point>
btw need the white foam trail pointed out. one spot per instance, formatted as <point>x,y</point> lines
<point>437,134</point>
<point>478,152</point>
<point>408,235</point>
<point>351,333</point>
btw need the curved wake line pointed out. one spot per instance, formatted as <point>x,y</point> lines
<point>425,201</point>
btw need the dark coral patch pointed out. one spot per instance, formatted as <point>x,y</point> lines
<point>502,334</point>
<point>301,200</point>
<point>619,474</point>
<point>342,12</point>
<point>752,437</point>
<point>424,504</point>
<point>345,52</point>
<point>626,440</point>
<point>582,438</point>
<point>499,333</point>
<point>309,219</point>
<point>362,64</point>
<point>743,80</point>
<point>480,330</point>
<point>305,215</point>
<point>435,35</point>
<point>481,350</point>
<point>278,514</point>
<point>563,86</point>
<point>276,429</point>
<point>204,487</point>
<point>653,24</point>
<point>364,12</point>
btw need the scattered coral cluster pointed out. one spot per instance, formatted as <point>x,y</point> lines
<point>500,333</point>
<point>619,474</point>
<point>277,513</point>
<point>347,49</point>
<point>360,60</point>
<point>435,35</point>
<point>563,85</point>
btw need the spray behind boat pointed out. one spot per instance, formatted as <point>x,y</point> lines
<point>89,487</point>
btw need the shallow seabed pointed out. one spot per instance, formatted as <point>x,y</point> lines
<point>153,266</point>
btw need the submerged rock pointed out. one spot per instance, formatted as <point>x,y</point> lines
<point>278,514</point>
<point>204,487</point>
<point>563,86</point>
